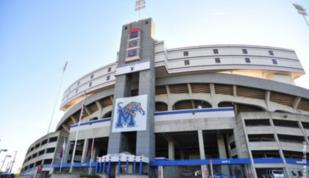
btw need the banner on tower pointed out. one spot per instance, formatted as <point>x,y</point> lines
<point>130,114</point>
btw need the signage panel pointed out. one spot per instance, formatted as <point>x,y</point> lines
<point>130,114</point>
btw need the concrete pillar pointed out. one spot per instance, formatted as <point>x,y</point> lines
<point>122,89</point>
<point>222,153</point>
<point>171,150</point>
<point>92,159</point>
<point>202,150</point>
<point>201,143</point>
<point>221,147</point>
<point>85,151</point>
<point>66,152</point>
<point>286,169</point>
<point>145,140</point>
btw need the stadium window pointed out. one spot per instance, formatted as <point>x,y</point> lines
<point>47,161</point>
<point>275,61</point>
<point>215,51</point>
<point>109,69</point>
<point>90,84</point>
<point>247,60</point>
<point>52,139</point>
<point>270,52</point>
<point>244,51</point>
<point>217,60</point>
<point>108,77</point>
<point>186,53</point>
<point>50,150</point>
<point>187,62</point>
<point>132,53</point>
<point>134,34</point>
<point>91,76</point>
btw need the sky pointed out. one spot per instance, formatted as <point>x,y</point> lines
<point>38,36</point>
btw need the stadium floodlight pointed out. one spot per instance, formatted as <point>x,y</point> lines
<point>302,11</point>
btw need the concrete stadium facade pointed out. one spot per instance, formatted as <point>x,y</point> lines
<point>190,90</point>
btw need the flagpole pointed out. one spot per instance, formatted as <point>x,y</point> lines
<point>12,163</point>
<point>77,132</point>
<point>57,96</point>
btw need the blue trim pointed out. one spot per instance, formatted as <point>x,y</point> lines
<point>140,167</point>
<point>109,167</point>
<point>268,160</point>
<point>92,122</point>
<point>97,167</point>
<point>134,167</point>
<point>101,166</point>
<point>104,166</point>
<point>127,166</point>
<point>178,162</point>
<point>184,111</point>
<point>119,166</point>
<point>296,161</point>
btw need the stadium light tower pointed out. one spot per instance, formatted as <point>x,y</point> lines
<point>302,11</point>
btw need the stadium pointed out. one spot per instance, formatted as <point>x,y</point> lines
<point>196,111</point>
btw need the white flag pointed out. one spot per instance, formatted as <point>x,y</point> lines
<point>139,4</point>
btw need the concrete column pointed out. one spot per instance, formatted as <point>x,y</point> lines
<point>122,89</point>
<point>286,169</point>
<point>222,153</point>
<point>267,99</point>
<point>145,140</point>
<point>171,150</point>
<point>66,152</point>
<point>92,159</point>
<point>201,143</point>
<point>214,101</point>
<point>221,147</point>
<point>202,151</point>
<point>85,151</point>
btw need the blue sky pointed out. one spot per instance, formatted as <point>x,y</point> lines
<point>38,36</point>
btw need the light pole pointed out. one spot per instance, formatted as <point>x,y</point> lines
<point>6,156</point>
<point>302,11</point>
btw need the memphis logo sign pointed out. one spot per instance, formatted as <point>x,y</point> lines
<point>130,114</point>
